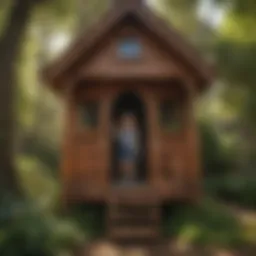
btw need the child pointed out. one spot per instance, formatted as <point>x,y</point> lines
<point>128,147</point>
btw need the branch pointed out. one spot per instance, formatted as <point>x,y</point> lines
<point>12,34</point>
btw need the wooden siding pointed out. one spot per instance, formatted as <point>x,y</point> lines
<point>172,163</point>
<point>153,61</point>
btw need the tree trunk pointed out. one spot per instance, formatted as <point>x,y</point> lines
<point>10,44</point>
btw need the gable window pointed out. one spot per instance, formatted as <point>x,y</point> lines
<point>170,115</point>
<point>88,114</point>
<point>129,48</point>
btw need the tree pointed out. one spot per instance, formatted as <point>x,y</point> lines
<point>17,15</point>
<point>182,13</point>
<point>236,54</point>
<point>10,44</point>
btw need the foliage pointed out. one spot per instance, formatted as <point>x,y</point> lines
<point>43,150</point>
<point>26,231</point>
<point>90,218</point>
<point>216,158</point>
<point>42,187</point>
<point>180,13</point>
<point>208,223</point>
<point>38,182</point>
<point>240,190</point>
<point>4,9</point>
<point>235,54</point>
<point>239,6</point>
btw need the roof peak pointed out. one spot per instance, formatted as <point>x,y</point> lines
<point>127,3</point>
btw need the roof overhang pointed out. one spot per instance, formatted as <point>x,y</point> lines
<point>82,48</point>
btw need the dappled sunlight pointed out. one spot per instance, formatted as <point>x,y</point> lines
<point>224,253</point>
<point>37,182</point>
<point>127,128</point>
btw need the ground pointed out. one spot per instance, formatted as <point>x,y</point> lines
<point>108,249</point>
<point>172,248</point>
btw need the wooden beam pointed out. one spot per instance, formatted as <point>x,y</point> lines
<point>194,171</point>
<point>67,161</point>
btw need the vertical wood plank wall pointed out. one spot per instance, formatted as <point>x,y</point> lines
<point>86,163</point>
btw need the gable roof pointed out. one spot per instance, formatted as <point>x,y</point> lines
<point>168,36</point>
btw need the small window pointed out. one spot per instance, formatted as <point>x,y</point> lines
<point>170,115</point>
<point>89,115</point>
<point>130,48</point>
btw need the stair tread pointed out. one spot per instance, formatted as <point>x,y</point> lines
<point>115,214</point>
<point>119,217</point>
<point>134,232</point>
<point>141,196</point>
<point>133,221</point>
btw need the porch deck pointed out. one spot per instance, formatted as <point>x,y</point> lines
<point>135,193</point>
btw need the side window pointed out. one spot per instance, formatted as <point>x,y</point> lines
<point>88,114</point>
<point>170,115</point>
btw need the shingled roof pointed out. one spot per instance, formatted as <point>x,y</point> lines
<point>167,35</point>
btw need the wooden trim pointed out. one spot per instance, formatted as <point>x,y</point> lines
<point>194,174</point>
<point>67,142</point>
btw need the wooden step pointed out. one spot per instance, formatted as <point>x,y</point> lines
<point>132,219</point>
<point>133,200</point>
<point>141,196</point>
<point>134,215</point>
<point>117,212</point>
<point>133,222</point>
<point>134,232</point>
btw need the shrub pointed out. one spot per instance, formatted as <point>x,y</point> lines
<point>235,189</point>
<point>91,218</point>
<point>43,150</point>
<point>206,224</point>
<point>37,182</point>
<point>216,158</point>
<point>24,231</point>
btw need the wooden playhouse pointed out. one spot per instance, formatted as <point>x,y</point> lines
<point>131,60</point>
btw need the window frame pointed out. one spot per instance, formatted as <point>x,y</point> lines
<point>175,125</point>
<point>135,42</point>
<point>84,106</point>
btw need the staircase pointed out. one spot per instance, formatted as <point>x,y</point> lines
<point>134,217</point>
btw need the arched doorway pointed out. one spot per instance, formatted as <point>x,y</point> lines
<point>129,103</point>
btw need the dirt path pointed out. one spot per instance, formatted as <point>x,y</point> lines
<point>171,249</point>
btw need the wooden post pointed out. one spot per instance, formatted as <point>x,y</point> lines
<point>67,161</point>
<point>106,140</point>
<point>194,174</point>
<point>153,141</point>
